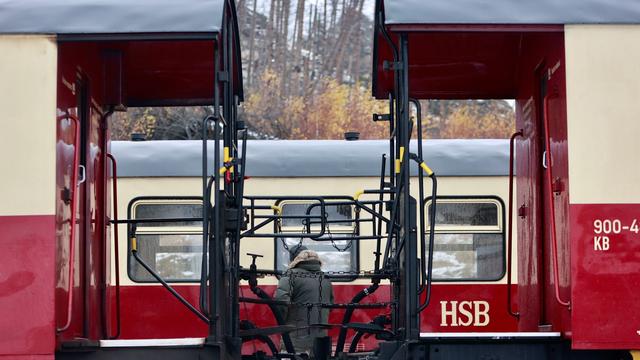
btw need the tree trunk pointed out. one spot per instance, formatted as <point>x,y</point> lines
<point>252,43</point>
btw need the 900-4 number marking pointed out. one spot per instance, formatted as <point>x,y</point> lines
<point>614,226</point>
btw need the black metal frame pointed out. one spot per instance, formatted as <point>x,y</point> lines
<point>224,216</point>
<point>334,201</point>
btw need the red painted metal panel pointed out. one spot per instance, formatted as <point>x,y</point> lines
<point>67,199</point>
<point>95,225</point>
<point>151,312</point>
<point>154,72</point>
<point>27,357</point>
<point>27,278</point>
<point>557,295</point>
<point>606,276</point>
<point>542,56</point>
<point>458,61</point>
<point>80,68</point>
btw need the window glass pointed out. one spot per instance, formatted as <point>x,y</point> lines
<point>334,213</point>
<point>172,249</point>
<point>469,239</point>
<point>165,211</point>
<point>335,254</point>
<point>467,213</point>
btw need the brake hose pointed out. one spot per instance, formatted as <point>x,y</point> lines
<point>342,336</point>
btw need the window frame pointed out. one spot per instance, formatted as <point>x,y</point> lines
<point>355,248</point>
<point>484,229</point>
<point>174,230</point>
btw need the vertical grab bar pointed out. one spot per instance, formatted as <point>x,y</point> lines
<point>510,224</point>
<point>72,219</point>
<point>552,211</point>
<point>114,169</point>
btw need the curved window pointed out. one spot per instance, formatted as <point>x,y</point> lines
<point>469,238</point>
<point>172,249</point>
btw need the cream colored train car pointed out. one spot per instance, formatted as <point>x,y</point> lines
<point>162,179</point>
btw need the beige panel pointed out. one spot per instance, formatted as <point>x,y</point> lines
<point>603,94</point>
<point>27,125</point>
<point>129,188</point>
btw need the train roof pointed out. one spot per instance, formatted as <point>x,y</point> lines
<point>311,158</point>
<point>469,49</point>
<point>112,16</point>
<point>511,12</point>
<point>162,50</point>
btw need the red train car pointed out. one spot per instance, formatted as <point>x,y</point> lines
<point>570,66</point>
<point>65,68</point>
<point>470,283</point>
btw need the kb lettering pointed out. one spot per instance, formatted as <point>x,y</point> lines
<point>464,313</point>
<point>601,243</point>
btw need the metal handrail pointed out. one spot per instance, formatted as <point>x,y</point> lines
<point>510,224</point>
<point>114,182</point>
<point>552,212</point>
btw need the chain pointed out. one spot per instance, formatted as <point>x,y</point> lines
<point>291,284</point>
<point>354,233</point>
<point>320,298</point>
<point>286,247</point>
<point>318,274</point>
<point>335,246</point>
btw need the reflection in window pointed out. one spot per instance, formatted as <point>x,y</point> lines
<point>469,239</point>
<point>336,255</point>
<point>172,249</point>
<point>334,213</point>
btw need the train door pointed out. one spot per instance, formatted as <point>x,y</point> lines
<point>552,209</point>
<point>94,190</point>
<point>541,194</point>
<point>90,213</point>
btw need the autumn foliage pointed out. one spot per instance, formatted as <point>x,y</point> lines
<point>306,70</point>
<point>326,114</point>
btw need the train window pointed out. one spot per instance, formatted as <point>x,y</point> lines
<point>336,254</point>
<point>173,249</point>
<point>469,238</point>
<point>334,212</point>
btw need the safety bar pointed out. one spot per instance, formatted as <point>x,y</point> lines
<point>155,221</point>
<point>359,205</point>
<point>72,219</point>
<point>207,183</point>
<point>114,190</point>
<point>550,201</point>
<point>377,253</point>
<point>426,267</point>
<point>326,275</point>
<point>512,141</point>
<point>320,305</point>
<point>391,227</point>
<point>322,217</point>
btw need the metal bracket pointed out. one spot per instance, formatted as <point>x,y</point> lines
<point>82,174</point>
<point>223,76</point>
<point>381,117</point>
<point>391,65</point>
